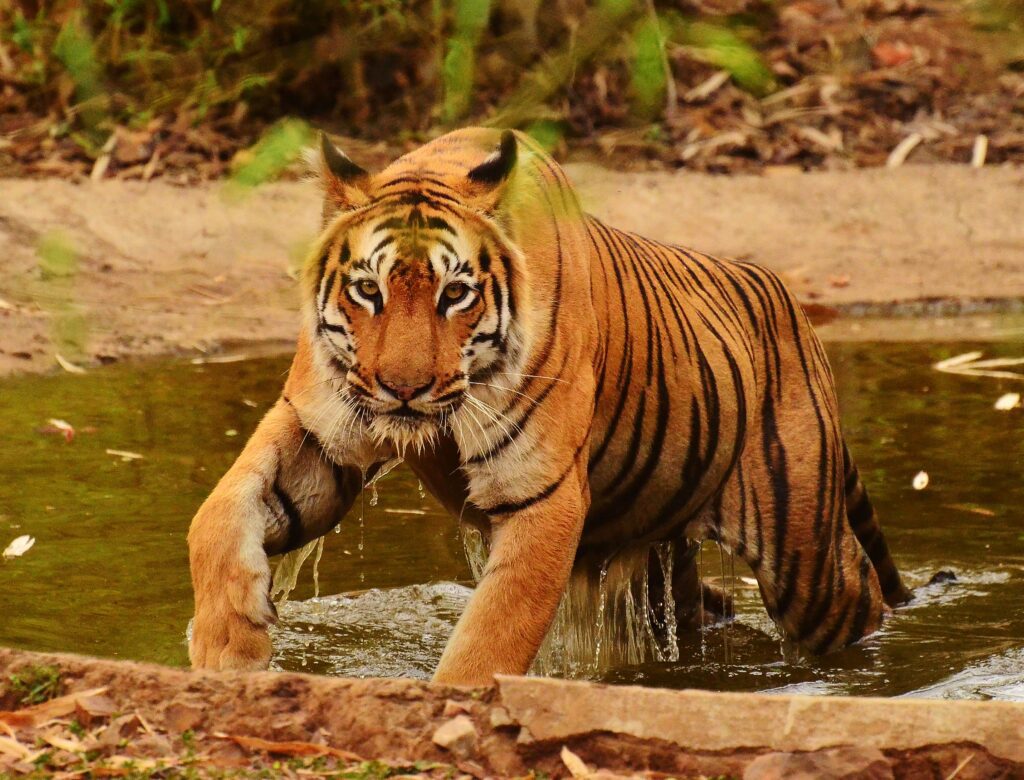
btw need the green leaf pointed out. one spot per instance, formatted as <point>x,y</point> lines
<point>648,76</point>
<point>272,154</point>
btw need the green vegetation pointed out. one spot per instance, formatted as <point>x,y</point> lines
<point>34,685</point>
<point>403,65</point>
<point>189,87</point>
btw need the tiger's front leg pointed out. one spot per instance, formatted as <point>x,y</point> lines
<point>532,552</point>
<point>281,493</point>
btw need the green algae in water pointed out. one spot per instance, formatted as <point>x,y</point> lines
<point>109,573</point>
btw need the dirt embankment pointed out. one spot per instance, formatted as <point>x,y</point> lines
<point>116,716</point>
<point>168,270</point>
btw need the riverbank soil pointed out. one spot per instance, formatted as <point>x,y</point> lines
<point>157,269</point>
<point>103,718</point>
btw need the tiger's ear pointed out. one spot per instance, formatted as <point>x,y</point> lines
<point>490,177</point>
<point>345,184</point>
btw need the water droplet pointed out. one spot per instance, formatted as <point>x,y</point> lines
<point>419,487</point>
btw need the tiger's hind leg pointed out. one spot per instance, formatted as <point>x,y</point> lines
<point>816,581</point>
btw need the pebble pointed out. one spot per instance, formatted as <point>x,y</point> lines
<point>457,735</point>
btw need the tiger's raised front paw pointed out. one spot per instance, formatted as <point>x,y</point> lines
<point>229,630</point>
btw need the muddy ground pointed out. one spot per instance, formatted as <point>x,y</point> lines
<point>170,270</point>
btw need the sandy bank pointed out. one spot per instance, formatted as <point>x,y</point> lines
<point>165,270</point>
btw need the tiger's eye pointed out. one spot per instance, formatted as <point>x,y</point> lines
<point>455,291</point>
<point>368,288</point>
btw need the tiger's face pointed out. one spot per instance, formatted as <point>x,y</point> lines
<point>414,309</point>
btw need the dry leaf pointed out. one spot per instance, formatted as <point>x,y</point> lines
<point>575,764</point>
<point>979,151</point>
<point>71,745</point>
<point>11,747</point>
<point>92,708</point>
<point>902,151</point>
<point>290,748</point>
<point>37,714</point>
<point>890,54</point>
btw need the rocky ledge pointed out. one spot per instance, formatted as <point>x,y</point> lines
<point>102,718</point>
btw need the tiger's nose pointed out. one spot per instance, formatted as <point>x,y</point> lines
<point>402,391</point>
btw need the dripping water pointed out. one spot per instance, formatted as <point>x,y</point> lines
<point>286,574</point>
<point>607,618</point>
<point>316,567</point>
<point>725,590</point>
<point>700,591</point>
<point>602,591</point>
<point>362,514</point>
<point>666,552</point>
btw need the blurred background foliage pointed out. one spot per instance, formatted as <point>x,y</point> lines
<point>114,82</point>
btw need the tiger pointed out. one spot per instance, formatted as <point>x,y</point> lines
<point>571,388</point>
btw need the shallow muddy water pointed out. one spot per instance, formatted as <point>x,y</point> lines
<point>109,572</point>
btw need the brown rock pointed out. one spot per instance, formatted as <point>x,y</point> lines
<point>844,763</point>
<point>453,708</point>
<point>457,735</point>
<point>500,718</point>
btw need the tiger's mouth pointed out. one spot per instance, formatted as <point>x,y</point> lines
<point>404,420</point>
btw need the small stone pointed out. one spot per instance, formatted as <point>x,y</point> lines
<point>500,718</point>
<point>525,737</point>
<point>458,736</point>
<point>838,763</point>
<point>453,708</point>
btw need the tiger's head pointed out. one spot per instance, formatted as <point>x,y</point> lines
<point>415,294</point>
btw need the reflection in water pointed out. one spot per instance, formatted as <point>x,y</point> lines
<point>109,573</point>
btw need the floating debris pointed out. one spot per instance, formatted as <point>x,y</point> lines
<point>968,364</point>
<point>1007,402</point>
<point>974,509</point>
<point>67,365</point>
<point>920,480</point>
<point>125,455</point>
<point>215,359</point>
<point>64,428</point>
<point>19,546</point>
